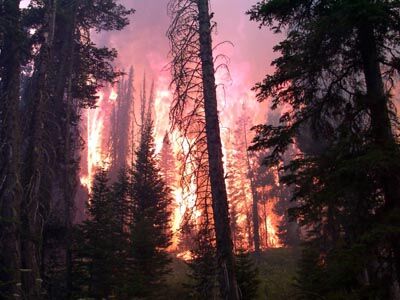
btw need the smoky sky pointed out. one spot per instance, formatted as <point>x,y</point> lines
<point>144,45</point>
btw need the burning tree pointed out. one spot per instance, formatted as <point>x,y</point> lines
<point>167,162</point>
<point>195,92</point>
<point>239,190</point>
<point>120,123</point>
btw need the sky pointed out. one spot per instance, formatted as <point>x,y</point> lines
<point>144,45</point>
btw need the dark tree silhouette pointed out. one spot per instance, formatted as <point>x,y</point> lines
<point>150,228</point>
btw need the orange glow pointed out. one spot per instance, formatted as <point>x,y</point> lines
<point>185,255</point>
<point>97,154</point>
<point>113,95</point>
<point>95,138</point>
<point>271,223</point>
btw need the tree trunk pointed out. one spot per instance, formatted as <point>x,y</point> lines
<point>10,188</point>
<point>250,239</point>
<point>254,194</point>
<point>381,129</point>
<point>64,164</point>
<point>227,278</point>
<point>36,199</point>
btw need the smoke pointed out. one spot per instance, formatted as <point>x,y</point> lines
<point>144,45</point>
<point>245,49</point>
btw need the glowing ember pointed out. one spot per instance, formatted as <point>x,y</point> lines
<point>185,255</point>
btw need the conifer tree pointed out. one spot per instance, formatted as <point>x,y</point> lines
<point>101,243</point>
<point>247,276</point>
<point>335,75</point>
<point>150,228</point>
<point>195,97</point>
<point>203,268</point>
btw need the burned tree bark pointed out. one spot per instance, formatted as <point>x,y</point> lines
<point>193,76</point>
<point>36,160</point>
<point>255,215</point>
<point>10,181</point>
<point>226,261</point>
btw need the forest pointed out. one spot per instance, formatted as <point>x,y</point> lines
<point>200,149</point>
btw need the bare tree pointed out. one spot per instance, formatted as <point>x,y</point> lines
<point>193,74</point>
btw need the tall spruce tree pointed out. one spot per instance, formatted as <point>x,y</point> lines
<point>150,228</point>
<point>336,72</point>
<point>101,245</point>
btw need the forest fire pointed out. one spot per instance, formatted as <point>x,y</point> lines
<point>96,133</point>
<point>97,154</point>
<point>218,178</point>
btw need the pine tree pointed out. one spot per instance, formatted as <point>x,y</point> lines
<point>120,123</point>
<point>203,267</point>
<point>247,276</point>
<point>150,228</point>
<point>101,243</point>
<point>238,187</point>
<point>339,64</point>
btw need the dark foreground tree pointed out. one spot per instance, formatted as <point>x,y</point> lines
<point>336,73</point>
<point>50,69</point>
<point>10,160</point>
<point>150,228</point>
<point>203,267</point>
<point>101,244</point>
<point>247,275</point>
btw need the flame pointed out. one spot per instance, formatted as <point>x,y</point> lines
<point>272,221</point>
<point>97,131</point>
<point>96,127</point>
<point>185,255</point>
<point>113,95</point>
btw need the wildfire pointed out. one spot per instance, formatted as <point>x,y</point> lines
<point>271,225</point>
<point>113,95</point>
<point>97,128</point>
<point>185,255</point>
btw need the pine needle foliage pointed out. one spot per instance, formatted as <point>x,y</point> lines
<point>150,229</point>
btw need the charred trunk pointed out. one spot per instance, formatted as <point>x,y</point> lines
<point>10,188</point>
<point>228,285</point>
<point>254,194</point>
<point>37,178</point>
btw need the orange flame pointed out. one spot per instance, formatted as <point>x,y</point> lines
<point>97,123</point>
<point>96,131</point>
